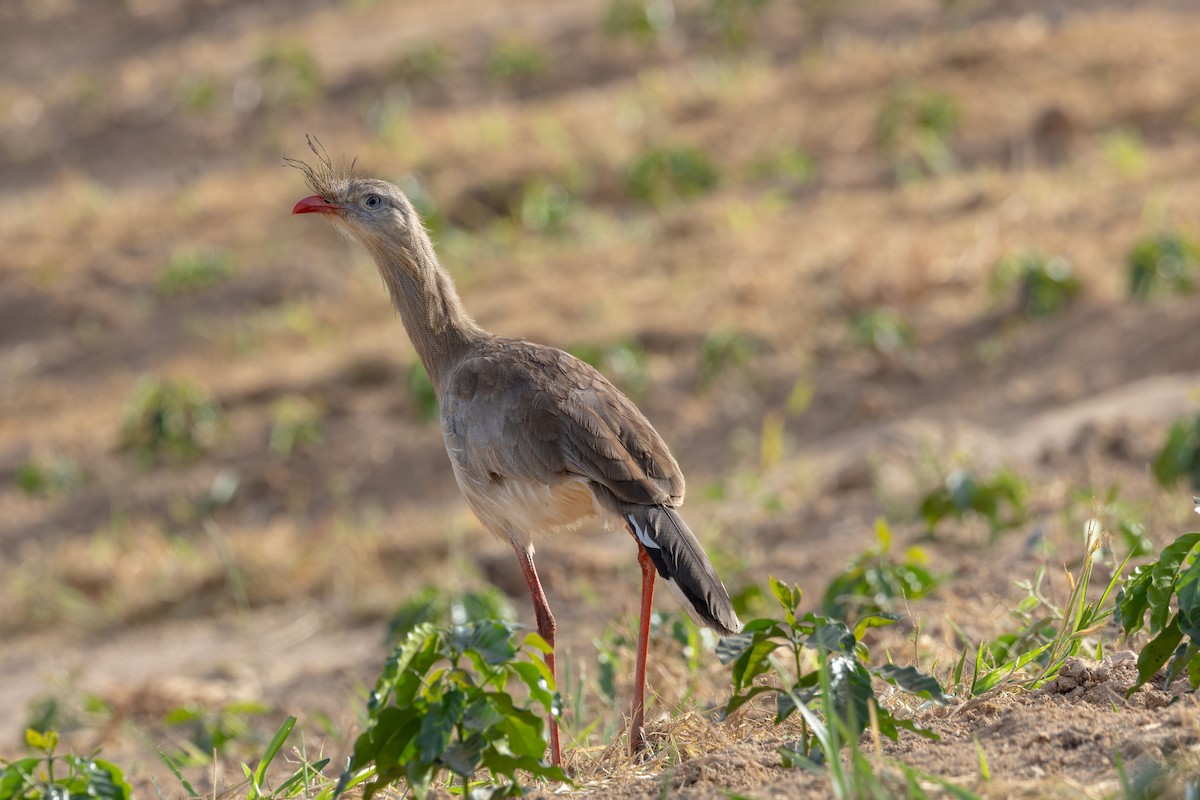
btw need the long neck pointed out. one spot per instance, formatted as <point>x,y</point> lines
<point>423,292</point>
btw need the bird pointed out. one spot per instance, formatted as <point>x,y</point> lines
<point>540,442</point>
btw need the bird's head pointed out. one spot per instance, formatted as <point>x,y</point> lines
<point>373,212</point>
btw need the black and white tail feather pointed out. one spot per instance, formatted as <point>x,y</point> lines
<point>680,561</point>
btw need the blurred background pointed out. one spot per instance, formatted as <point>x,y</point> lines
<point>928,261</point>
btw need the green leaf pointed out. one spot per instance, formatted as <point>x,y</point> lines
<point>753,662</point>
<point>273,748</point>
<point>1184,655</point>
<point>1187,595</point>
<point>912,680</point>
<point>1131,600</point>
<point>730,647</point>
<point>739,700</point>
<point>877,620</point>
<point>1156,653</point>
<point>438,723</point>
<point>833,636</point>
<point>1162,578</point>
<point>490,639</point>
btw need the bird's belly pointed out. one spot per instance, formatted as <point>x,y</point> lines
<point>522,510</point>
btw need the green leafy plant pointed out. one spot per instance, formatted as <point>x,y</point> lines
<point>725,348</point>
<point>307,780</point>
<point>786,164</point>
<point>436,605</point>
<point>623,362</point>
<point>734,19</point>
<point>882,329</point>
<point>289,73</point>
<point>914,128</point>
<point>1166,263</point>
<point>855,775</point>
<point>442,704</point>
<point>49,776</point>
<point>55,475</point>
<point>165,419</point>
<point>875,580</point>
<point>544,206</point>
<point>1180,454</point>
<point>199,92</point>
<point>667,174</point>
<point>423,63</point>
<point>644,20</point>
<point>420,388</point>
<point>1110,513</point>
<point>295,423</point>
<point>1045,286</point>
<point>515,61</point>
<point>811,643</point>
<point>1149,589</point>
<point>191,268</point>
<point>210,731</point>
<point>1000,500</point>
<point>1049,635</point>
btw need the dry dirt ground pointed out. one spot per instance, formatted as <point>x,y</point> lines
<point>135,130</point>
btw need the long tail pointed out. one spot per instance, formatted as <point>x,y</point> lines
<point>683,564</point>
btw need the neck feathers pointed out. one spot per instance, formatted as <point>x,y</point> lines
<point>423,293</point>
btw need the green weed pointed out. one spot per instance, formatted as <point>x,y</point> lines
<point>191,268</point>
<point>1180,454</point>
<point>734,19</point>
<point>875,580</point>
<point>882,329</point>
<point>295,424</point>
<point>56,475</point>
<point>442,705</point>
<point>199,92</point>
<point>210,732</point>
<point>789,165</point>
<point>289,73</point>
<point>420,388</point>
<point>48,776</point>
<point>423,63</point>
<point>1045,286</point>
<point>1150,589</point>
<point>1126,151</point>
<point>1110,513</point>
<point>1049,635</point>
<point>1167,263</point>
<point>168,420</point>
<point>1000,500</point>
<point>914,128</point>
<point>723,349</point>
<point>515,61</point>
<point>438,606</point>
<point>798,685</point>
<point>544,206</point>
<point>663,175</point>
<point>643,20</point>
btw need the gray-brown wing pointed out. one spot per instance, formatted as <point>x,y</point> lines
<point>534,412</point>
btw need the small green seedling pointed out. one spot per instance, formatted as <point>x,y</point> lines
<point>295,425</point>
<point>54,476</point>
<point>812,644</point>
<point>48,776</point>
<point>1180,454</point>
<point>190,269</point>
<point>289,73</point>
<point>1045,286</point>
<point>515,61</point>
<point>643,20</point>
<point>1000,500</point>
<point>724,349</point>
<point>544,206</point>
<point>914,129</point>
<point>734,19</point>
<point>212,731</point>
<point>436,605</point>
<point>882,329</point>
<point>1168,263</point>
<point>664,175</point>
<point>876,580</point>
<point>1150,589</point>
<point>169,420</point>
<point>442,704</point>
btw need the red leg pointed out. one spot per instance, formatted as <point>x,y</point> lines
<point>546,629</point>
<point>637,736</point>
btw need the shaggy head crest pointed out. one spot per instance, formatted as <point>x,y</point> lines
<point>323,177</point>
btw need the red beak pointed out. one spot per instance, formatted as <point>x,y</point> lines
<point>315,204</point>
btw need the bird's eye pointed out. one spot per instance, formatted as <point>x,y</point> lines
<point>373,201</point>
